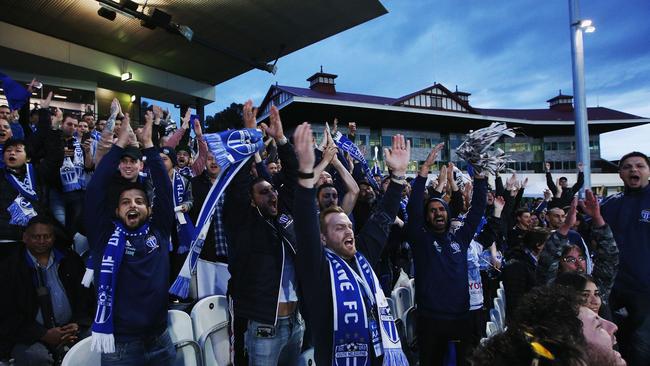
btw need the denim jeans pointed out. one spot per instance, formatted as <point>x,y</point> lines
<point>154,351</point>
<point>275,345</point>
<point>635,342</point>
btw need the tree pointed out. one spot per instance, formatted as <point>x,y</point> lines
<point>228,118</point>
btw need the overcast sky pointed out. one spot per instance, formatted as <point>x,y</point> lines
<point>508,54</point>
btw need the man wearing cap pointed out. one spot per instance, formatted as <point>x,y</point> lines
<point>440,256</point>
<point>182,197</point>
<point>186,167</point>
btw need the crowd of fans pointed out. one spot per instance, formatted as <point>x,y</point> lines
<point>97,221</point>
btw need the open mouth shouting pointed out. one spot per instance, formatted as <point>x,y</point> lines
<point>132,217</point>
<point>349,243</point>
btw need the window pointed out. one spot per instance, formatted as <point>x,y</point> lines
<point>386,141</point>
<point>565,146</point>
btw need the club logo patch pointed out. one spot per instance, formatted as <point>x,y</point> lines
<point>645,216</point>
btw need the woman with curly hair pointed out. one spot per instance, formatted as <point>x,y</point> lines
<point>551,327</point>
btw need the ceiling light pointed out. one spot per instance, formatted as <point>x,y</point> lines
<point>106,13</point>
<point>57,96</point>
<point>126,76</point>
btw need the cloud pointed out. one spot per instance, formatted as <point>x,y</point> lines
<point>508,54</point>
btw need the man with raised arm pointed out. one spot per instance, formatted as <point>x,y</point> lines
<point>440,255</point>
<point>628,214</point>
<point>350,317</point>
<point>261,255</point>
<point>129,238</point>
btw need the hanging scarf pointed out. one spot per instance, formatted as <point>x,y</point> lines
<point>184,225</point>
<point>186,171</point>
<point>21,209</point>
<point>348,146</point>
<point>354,297</point>
<point>103,340</point>
<point>231,150</point>
<point>72,170</point>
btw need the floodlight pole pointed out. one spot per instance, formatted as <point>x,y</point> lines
<point>579,100</point>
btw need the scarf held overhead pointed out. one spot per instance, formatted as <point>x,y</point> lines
<point>231,150</point>
<point>348,146</point>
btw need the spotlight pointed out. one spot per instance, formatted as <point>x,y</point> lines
<point>106,13</point>
<point>126,76</point>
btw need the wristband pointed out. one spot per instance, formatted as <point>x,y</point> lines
<point>303,175</point>
<point>283,141</point>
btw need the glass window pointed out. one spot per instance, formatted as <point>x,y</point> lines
<point>386,141</point>
<point>565,145</point>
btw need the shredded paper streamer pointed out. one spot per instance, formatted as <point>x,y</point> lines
<point>478,149</point>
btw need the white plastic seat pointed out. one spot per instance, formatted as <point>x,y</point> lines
<point>210,319</point>
<point>402,298</point>
<point>412,283</point>
<point>496,319</point>
<point>498,305</point>
<point>188,351</point>
<point>502,295</point>
<point>491,329</point>
<point>410,324</point>
<point>80,354</point>
<point>307,358</point>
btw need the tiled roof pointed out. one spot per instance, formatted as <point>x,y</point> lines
<point>350,97</point>
<point>593,114</point>
<point>547,114</point>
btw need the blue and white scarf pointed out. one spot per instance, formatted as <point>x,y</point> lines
<point>72,170</point>
<point>186,171</point>
<point>348,146</point>
<point>231,150</point>
<point>103,340</point>
<point>184,225</point>
<point>354,297</point>
<point>21,209</point>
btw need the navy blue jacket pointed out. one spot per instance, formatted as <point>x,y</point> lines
<point>628,215</point>
<point>140,305</point>
<point>441,259</point>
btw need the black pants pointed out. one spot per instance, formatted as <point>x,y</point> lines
<point>434,336</point>
<point>634,331</point>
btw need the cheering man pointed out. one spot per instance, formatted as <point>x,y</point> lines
<point>349,314</point>
<point>440,256</point>
<point>130,248</point>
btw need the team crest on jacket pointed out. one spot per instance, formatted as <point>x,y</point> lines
<point>285,220</point>
<point>455,247</point>
<point>151,243</point>
<point>645,216</point>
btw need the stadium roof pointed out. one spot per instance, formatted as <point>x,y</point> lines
<point>260,30</point>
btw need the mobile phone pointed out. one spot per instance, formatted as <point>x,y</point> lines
<point>265,331</point>
<point>85,137</point>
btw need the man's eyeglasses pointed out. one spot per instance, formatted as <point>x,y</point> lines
<point>573,260</point>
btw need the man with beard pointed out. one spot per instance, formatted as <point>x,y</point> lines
<point>365,204</point>
<point>186,166</point>
<point>261,252</point>
<point>348,312</point>
<point>565,194</point>
<point>628,214</point>
<point>130,252</point>
<point>440,257</point>
<point>552,327</point>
